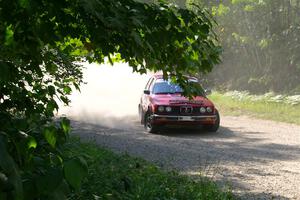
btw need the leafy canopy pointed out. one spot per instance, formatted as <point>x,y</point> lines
<point>42,44</point>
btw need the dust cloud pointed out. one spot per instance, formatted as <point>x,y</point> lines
<point>110,96</point>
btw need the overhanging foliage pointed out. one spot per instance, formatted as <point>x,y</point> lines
<point>41,46</point>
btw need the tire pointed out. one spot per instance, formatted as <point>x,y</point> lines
<point>215,127</point>
<point>148,125</point>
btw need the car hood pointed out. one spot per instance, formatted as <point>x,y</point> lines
<point>177,99</point>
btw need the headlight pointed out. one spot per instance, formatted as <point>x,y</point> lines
<point>161,109</point>
<point>202,110</point>
<point>209,109</point>
<point>168,109</point>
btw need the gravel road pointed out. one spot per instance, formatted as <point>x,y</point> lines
<point>259,159</point>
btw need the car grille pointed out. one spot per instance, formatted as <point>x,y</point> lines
<point>184,111</point>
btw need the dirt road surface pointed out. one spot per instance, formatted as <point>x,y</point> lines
<point>259,159</point>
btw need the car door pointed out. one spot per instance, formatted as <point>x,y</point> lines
<point>145,97</point>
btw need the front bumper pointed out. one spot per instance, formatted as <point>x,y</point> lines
<point>183,120</point>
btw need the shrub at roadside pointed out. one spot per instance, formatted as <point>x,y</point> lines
<point>267,98</point>
<point>269,106</point>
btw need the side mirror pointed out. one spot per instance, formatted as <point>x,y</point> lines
<point>147,92</point>
<point>207,91</point>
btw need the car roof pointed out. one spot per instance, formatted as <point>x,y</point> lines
<point>160,76</point>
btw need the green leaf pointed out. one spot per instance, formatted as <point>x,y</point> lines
<point>9,35</point>
<point>65,100</point>
<point>52,105</point>
<point>65,125</point>
<point>23,3</point>
<point>204,29</point>
<point>51,68</point>
<point>76,86</point>
<point>31,143</point>
<point>51,90</point>
<point>50,135</point>
<point>67,90</point>
<point>75,171</point>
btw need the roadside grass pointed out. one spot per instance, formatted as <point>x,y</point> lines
<point>112,176</point>
<point>263,107</point>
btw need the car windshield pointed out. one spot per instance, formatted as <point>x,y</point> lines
<point>167,87</point>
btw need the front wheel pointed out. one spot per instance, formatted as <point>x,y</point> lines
<point>149,127</point>
<point>214,127</point>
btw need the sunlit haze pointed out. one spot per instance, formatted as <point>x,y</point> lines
<point>110,96</point>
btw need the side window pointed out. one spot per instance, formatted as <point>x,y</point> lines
<point>151,84</point>
<point>148,83</point>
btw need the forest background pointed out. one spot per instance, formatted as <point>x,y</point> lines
<point>261,44</point>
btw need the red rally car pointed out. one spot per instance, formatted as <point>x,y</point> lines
<point>162,105</point>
